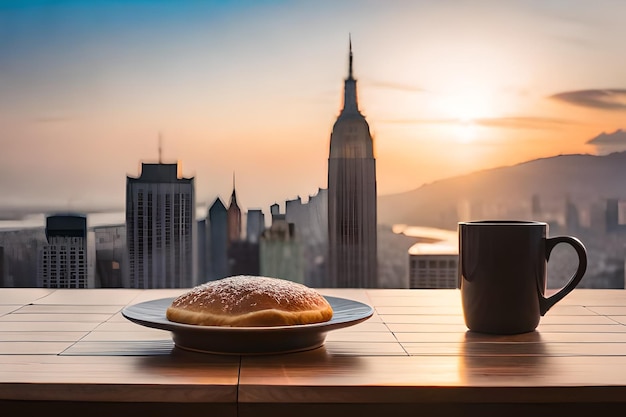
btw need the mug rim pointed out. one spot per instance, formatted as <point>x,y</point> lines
<point>503,223</point>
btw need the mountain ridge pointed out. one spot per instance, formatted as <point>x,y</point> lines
<point>582,178</point>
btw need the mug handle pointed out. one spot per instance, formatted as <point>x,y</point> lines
<point>545,303</point>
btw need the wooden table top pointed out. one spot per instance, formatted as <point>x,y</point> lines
<point>73,350</point>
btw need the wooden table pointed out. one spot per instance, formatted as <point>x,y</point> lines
<point>71,351</point>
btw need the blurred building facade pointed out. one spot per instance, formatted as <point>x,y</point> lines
<point>161,228</point>
<point>281,251</point>
<point>111,261</point>
<point>218,240</point>
<point>21,254</point>
<point>62,260</point>
<point>255,225</point>
<point>311,225</point>
<point>202,250</point>
<point>433,270</point>
<point>243,258</point>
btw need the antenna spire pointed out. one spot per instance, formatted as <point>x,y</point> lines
<point>350,43</point>
<point>233,196</point>
<point>160,148</point>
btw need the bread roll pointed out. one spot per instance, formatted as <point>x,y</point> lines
<point>253,301</point>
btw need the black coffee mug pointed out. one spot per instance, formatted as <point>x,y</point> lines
<point>502,274</point>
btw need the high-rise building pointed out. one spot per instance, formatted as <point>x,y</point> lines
<point>255,225</point>
<point>161,228</point>
<point>203,251</point>
<point>21,255</point>
<point>234,218</point>
<point>433,265</point>
<point>62,261</point>
<point>243,254</point>
<point>612,215</point>
<point>311,223</point>
<point>218,240</point>
<point>110,250</point>
<point>572,216</point>
<point>281,251</point>
<point>243,258</point>
<point>352,257</point>
<point>2,273</point>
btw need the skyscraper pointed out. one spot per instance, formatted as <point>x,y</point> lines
<point>160,228</point>
<point>255,225</point>
<point>62,260</point>
<point>280,251</point>
<point>234,218</point>
<point>111,255</point>
<point>202,250</point>
<point>352,257</point>
<point>311,223</point>
<point>218,240</point>
<point>243,255</point>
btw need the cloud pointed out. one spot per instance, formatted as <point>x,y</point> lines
<point>420,121</point>
<point>522,122</point>
<point>616,138</point>
<point>395,86</point>
<point>608,99</point>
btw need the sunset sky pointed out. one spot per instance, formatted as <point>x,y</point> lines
<point>254,87</point>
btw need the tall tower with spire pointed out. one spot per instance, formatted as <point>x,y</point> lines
<point>352,221</point>
<point>234,217</point>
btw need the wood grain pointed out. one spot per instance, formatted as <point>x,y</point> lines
<point>72,351</point>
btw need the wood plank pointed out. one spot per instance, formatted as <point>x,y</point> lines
<point>584,328</point>
<point>463,349</point>
<point>366,326</point>
<point>98,296</point>
<point>550,319</point>
<point>21,296</point>
<point>41,336</point>
<point>427,327</point>
<point>107,336</point>
<point>609,311</point>
<point>33,348</point>
<point>68,309</point>
<point>125,326</point>
<point>421,310</point>
<point>531,337</point>
<point>432,408</point>
<point>6,309</point>
<point>137,347</point>
<point>155,294</point>
<point>376,337</point>
<point>177,377</point>
<point>326,378</point>
<point>124,408</point>
<point>358,349</point>
<point>421,319</point>
<point>55,317</point>
<point>37,326</point>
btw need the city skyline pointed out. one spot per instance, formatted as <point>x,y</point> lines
<point>253,88</point>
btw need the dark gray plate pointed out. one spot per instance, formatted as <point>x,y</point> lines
<point>248,340</point>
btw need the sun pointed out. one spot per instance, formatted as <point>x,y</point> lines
<point>463,109</point>
<point>466,131</point>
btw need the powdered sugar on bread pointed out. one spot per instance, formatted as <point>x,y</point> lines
<point>245,300</point>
